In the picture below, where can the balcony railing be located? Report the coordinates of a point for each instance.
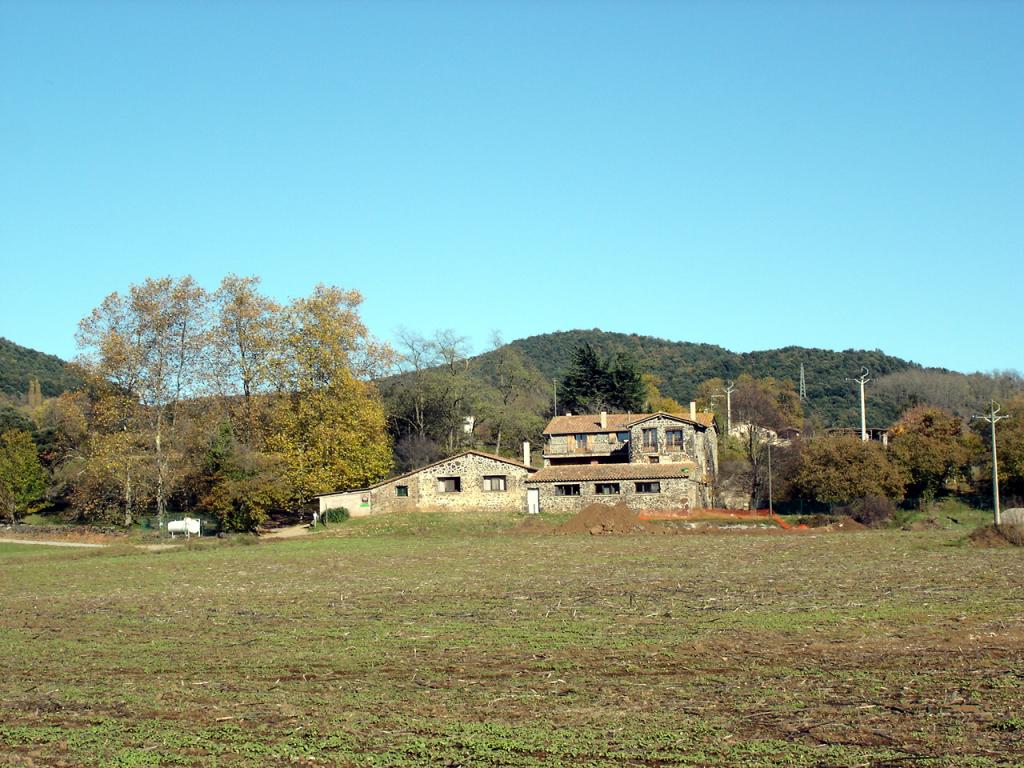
(588, 447)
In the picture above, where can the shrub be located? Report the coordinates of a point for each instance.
(872, 510)
(837, 469)
(336, 515)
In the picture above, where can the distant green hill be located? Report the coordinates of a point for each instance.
(18, 364)
(683, 365)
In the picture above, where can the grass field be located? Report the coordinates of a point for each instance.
(430, 640)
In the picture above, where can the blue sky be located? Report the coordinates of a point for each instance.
(754, 175)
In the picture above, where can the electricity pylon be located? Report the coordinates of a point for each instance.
(728, 389)
(862, 380)
(992, 417)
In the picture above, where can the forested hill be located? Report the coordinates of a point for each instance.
(683, 365)
(18, 364)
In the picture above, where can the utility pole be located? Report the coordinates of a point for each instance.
(729, 389)
(554, 383)
(803, 385)
(992, 417)
(771, 509)
(862, 380)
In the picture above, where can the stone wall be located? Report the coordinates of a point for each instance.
(676, 493)
(707, 458)
(471, 470)
(699, 446)
(386, 499)
(421, 489)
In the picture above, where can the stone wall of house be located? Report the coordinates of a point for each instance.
(421, 489)
(423, 493)
(386, 498)
(707, 458)
(676, 493)
(471, 469)
(699, 446)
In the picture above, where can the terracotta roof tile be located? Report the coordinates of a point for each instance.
(572, 473)
(410, 473)
(703, 419)
(616, 422)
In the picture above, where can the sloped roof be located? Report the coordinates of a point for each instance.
(616, 422)
(574, 473)
(493, 456)
(703, 419)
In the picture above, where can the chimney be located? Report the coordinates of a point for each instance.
(526, 452)
(693, 411)
(568, 413)
(604, 419)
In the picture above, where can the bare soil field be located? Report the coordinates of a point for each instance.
(432, 640)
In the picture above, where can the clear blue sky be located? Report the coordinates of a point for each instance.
(834, 174)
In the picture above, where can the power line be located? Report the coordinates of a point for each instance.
(993, 417)
(862, 380)
(728, 389)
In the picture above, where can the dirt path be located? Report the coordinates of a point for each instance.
(89, 545)
(290, 532)
(51, 543)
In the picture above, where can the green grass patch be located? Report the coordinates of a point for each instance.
(441, 639)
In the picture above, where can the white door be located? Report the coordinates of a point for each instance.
(533, 500)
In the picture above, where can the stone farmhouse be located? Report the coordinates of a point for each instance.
(650, 461)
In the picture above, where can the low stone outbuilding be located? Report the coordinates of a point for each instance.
(469, 480)
(569, 488)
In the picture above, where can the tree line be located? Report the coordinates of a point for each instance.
(229, 402)
(224, 401)
(930, 451)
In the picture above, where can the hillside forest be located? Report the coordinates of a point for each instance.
(229, 403)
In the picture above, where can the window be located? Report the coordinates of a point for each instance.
(567, 490)
(674, 438)
(654, 487)
(449, 484)
(654, 459)
(622, 437)
(495, 483)
(402, 490)
(606, 489)
(651, 438)
(581, 442)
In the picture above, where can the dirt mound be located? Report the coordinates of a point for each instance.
(599, 519)
(1005, 536)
